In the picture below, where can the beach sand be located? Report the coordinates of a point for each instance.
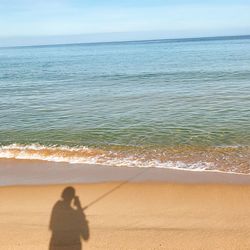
(141, 214)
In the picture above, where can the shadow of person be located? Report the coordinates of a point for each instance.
(68, 224)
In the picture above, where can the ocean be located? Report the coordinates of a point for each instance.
(165, 103)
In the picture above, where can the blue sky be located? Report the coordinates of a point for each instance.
(54, 21)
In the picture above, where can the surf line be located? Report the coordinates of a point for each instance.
(115, 188)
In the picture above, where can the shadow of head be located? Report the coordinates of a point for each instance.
(68, 194)
(67, 223)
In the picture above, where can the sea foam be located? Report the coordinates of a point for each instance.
(89, 156)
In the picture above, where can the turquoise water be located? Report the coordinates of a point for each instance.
(127, 97)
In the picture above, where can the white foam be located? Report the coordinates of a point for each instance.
(76, 155)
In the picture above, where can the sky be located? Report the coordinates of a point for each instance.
(27, 22)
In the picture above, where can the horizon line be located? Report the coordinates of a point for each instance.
(185, 39)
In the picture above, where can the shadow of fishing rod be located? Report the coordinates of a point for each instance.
(115, 188)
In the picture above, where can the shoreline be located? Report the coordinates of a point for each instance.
(34, 172)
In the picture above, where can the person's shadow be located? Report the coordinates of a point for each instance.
(68, 224)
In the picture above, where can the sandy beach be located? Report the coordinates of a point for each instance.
(135, 216)
(138, 214)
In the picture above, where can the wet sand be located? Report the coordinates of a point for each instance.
(175, 210)
(34, 172)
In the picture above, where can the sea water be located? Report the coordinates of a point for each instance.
(164, 103)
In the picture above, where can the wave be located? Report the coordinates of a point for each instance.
(227, 159)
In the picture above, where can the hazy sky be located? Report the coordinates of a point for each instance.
(59, 21)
